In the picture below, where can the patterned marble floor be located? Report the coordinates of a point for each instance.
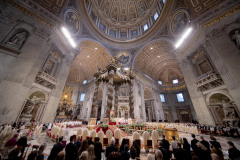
(223, 141)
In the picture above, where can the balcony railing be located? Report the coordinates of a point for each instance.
(46, 80)
(209, 81)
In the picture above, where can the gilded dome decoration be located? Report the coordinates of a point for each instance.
(124, 19)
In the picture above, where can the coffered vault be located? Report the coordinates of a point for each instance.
(92, 55)
(159, 62)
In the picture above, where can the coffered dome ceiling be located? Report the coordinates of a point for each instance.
(156, 61)
(92, 55)
(124, 19)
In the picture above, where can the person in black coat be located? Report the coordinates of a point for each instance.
(166, 155)
(71, 150)
(22, 142)
(40, 155)
(215, 142)
(98, 149)
(180, 154)
(233, 152)
(111, 148)
(186, 146)
(205, 143)
(90, 141)
(58, 147)
(165, 143)
(123, 144)
(193, 143)
(135, 145)
(125, 154)
(78, 143)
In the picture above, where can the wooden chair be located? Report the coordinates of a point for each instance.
(128, 142)
(117, 142)
(149, 144)
(105, 141)
(138, 141)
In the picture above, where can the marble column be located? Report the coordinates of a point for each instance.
(158, 107)
(131, 107)
(174, 113)
(116, 101)
(137, 102)
(74, 96)
(109, 94)
(225, 57)
(149, 113)
(94, 101)
(143, 102)
(202, 112)
(104, 100)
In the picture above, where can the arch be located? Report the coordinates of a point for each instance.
(92, 55)
(223, 92)
(146, 44)
(156, 56)
(19, 27)
(80, 40)
(39, 92)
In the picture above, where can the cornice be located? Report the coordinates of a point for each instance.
(30, 14)
(221, 17)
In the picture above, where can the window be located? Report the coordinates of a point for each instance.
(155, 16)
(112, 33)
(162, 97)
(102, 27)
(134, 33)
(123, 35)
(180, 97)
(145, 27)
(82, 97)
(160, 82)
(175, 81)
(84, 82)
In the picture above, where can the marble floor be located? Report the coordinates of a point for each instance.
(223, 141)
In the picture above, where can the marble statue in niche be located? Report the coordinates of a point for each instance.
(51, 63)
(28, 108)
(72, 22)
(236, 38)
(179, 23)
(48, 67)
(18, 39)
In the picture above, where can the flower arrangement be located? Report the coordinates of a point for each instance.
(160, 131)
(104, 126)
(112, 120)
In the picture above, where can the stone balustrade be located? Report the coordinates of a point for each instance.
(46, 80)
(209, 81)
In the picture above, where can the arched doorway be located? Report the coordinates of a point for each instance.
(223, 110)
(33, 107)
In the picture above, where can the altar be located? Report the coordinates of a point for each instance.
(169, 132)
